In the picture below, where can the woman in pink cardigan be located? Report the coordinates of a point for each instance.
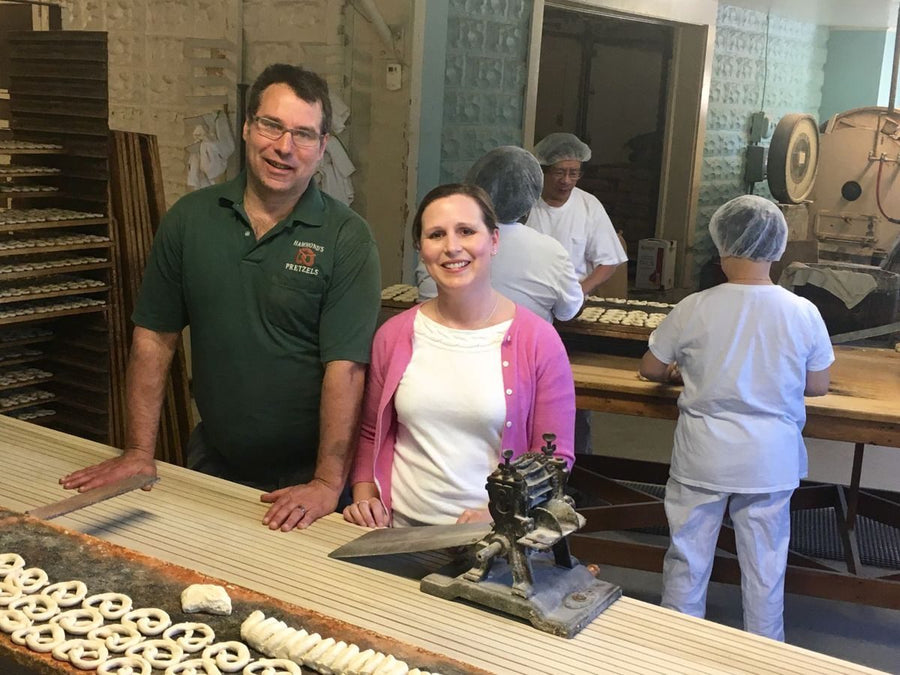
(455, 380)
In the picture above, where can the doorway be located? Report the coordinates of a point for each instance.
(605, 79)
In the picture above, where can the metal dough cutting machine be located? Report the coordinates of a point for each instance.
(523, 566)
(520, 564)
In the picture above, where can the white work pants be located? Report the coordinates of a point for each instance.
(762, 528)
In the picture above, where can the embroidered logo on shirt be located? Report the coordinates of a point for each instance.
(305, 258)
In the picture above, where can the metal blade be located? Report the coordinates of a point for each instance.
(99, 494)
(411, 539)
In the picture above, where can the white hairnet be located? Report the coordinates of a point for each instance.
(559, 147)
(749, 227)
(513, 179)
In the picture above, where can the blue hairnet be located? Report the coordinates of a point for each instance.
(513, 179)
(559, 147)
(749, 227)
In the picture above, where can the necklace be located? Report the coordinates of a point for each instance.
(481, 324)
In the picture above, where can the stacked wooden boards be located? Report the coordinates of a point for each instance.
(138, 204)
(56, 277)
(213, 526)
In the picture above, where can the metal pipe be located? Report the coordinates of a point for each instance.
(896, 64)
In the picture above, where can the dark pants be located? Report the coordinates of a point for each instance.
(206, 459)
(583, 445)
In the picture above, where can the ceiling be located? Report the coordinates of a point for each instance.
(840, 13)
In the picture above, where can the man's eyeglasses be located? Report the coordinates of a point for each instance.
(273, 130)
(566, 173)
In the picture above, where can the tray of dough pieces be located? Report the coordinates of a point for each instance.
(399, 295)
(151, 584)
(31, 216)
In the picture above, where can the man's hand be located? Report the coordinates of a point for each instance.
(129, 463)
(299, 506)
(475, 516)
(367, 513)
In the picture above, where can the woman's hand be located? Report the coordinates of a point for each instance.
(474, 516)
(367, 512)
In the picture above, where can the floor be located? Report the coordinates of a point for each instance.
(858, 633)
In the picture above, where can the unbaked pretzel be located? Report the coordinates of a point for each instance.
(13, 619)
(111, 605)
(9, 591)
(339, 651)
(229, 656)
(300, 644)
(312, 657)
(149, 621)
(158, 653)
(83, 654)
(275, 644)
(116, 636)
(194, 667)
(67, 593)
(125, 665)
(272, 667)
(36, 607)
(41, 638)
(191, 637)
(10, 562)
(30, 580)
(361, 659)
(79, 621)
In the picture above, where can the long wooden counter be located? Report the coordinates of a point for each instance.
(862, 406)
(213, 526)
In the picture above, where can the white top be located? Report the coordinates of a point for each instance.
(744, 352)
(583, 228)
(448, 436)
(531, 269)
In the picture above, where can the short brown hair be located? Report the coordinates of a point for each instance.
(472, 191)
(305, 84)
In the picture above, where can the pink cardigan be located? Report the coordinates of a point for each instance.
(536, 376)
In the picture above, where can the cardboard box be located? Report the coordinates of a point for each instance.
(655, 264)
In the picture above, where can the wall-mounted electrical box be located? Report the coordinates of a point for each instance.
(394, 77)
(755, 167)
(759, 126)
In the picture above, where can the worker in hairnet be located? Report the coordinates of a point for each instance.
(530, 268)
(578, 221)
(748, 351)
(573, 217)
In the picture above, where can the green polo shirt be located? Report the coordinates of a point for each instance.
(265, 316)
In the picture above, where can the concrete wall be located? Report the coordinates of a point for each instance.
(887, 65)
(155, 83)
(854, 70)
(159, 82)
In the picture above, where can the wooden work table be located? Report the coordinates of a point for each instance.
(214, 527)
(862, 406)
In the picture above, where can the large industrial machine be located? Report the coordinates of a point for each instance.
(855, 201)
(837, 192)
(840, 197)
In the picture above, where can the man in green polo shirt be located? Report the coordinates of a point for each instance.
(280, 285)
